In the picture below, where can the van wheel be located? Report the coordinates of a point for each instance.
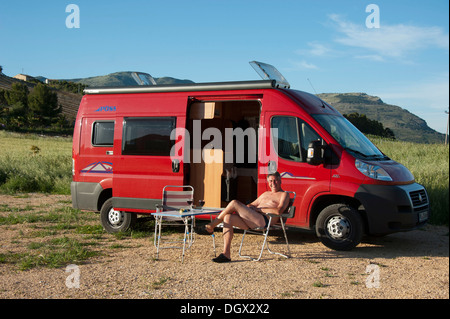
(114, 221)
(339, 227)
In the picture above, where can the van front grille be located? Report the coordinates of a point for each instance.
(419, 199)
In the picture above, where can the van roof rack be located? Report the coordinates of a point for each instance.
(211, 86)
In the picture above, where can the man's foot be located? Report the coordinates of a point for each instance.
(221, 259)
(203, 230)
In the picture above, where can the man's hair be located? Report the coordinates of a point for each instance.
(276, 175)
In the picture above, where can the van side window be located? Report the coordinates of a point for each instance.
(148, 136)
(294, 135)
(103, 133)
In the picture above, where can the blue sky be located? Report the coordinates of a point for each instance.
(326, 44)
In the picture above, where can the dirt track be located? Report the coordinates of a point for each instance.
(410, 265)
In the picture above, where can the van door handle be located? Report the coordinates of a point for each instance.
(109, 152)
(175, 166)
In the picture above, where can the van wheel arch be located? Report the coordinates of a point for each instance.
(103, 197)
(327, 200)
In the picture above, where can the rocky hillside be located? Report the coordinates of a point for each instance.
(405, 125)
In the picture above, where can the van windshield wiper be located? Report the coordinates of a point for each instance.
(372, 156)
(357, 152)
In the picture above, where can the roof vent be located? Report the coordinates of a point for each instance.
(269, 72)
(143, 78)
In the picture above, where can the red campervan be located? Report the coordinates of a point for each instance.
(223, 138)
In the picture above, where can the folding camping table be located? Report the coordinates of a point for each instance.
(188, 218)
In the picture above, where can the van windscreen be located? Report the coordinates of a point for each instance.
(346, 134)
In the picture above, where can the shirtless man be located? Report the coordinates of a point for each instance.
(248, 216)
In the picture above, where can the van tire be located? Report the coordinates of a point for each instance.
(339, 227)
(115, 221)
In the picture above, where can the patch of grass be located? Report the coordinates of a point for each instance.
(61, 215)
(24, 170)
(318, 284)
(53, 250)
(13, 219)
(158, 284)
(117, 246)
(287, 294)
(143, 229)
(90, 229)
(55, 253)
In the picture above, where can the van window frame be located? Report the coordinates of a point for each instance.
(300, 137)
(130, 119)
(93, 130)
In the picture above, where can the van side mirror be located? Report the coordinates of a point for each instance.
(315, 155)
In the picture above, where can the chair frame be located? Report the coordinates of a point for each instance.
(188, 233)
(289, 213)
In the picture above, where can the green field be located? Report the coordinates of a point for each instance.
(29, 163)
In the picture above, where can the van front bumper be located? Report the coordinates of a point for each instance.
(391, 209)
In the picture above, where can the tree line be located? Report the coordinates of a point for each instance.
(22, 109)
(67, 86)
(368, 126)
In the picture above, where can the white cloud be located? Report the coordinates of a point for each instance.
(315, 49)
(306, 65)
(389, 40)
(301, 65)
(372, 57)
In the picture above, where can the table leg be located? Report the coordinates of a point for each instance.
(192, 231)
(186, 236)
(158, 223)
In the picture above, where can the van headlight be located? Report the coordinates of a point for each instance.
(373, 171)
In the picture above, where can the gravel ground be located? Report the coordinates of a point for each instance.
(404, 265)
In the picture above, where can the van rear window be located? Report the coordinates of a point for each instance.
(103, 133)
(148, 136)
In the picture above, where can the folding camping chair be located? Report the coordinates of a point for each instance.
(175, 198)
(289, 213)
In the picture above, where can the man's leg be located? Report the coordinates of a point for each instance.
(229, 221)
(251, 217)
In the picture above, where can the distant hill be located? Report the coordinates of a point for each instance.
(122, 79)
(405, 125)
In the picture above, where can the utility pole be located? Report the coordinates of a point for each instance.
(446, 132)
